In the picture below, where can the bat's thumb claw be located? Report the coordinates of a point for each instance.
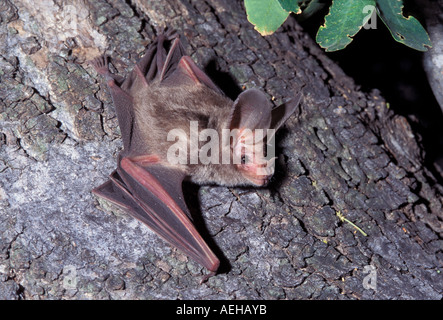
(206, 277)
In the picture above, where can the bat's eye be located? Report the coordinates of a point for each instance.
(244, 159)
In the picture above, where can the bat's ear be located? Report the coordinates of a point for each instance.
(251, 110)
(284, 111)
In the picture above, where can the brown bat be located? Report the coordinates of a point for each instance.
(167, 98)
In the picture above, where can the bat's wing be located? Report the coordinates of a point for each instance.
(153, 194)
(187, 73)
(165, 60)
(123, 102)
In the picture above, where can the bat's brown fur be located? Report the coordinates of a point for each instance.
(159, 110)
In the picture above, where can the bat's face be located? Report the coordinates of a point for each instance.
(249, 156)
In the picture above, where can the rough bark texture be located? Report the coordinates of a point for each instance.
(347, 154)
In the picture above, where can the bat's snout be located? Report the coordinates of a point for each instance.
(259, 174)
(260, 180)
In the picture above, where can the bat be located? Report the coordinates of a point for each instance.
(167, 109)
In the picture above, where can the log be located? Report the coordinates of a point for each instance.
(352, 212)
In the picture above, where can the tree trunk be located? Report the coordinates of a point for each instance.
(346, 159)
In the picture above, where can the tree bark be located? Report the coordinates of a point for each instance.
(346, 158)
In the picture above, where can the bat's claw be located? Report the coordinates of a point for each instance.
(170, 34)
(100, 65)
(167, 33)
(206, 277)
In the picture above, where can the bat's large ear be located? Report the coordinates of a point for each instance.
(251, 110)
(284, 111)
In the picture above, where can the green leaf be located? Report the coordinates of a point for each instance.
(406, 30)
(290, 5)
(266, 15)
(344, 20)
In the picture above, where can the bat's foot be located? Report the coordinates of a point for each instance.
(100, 65)
(168, 33)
